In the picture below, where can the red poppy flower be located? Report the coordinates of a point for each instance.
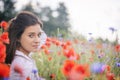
(47, 44)
(117, 48)
(4, 70)
(4, 37)
(52, 76)
(49, 58)
(68, 43)
(4, 25)
(64, 46)
(92, 52)
(48, 39)
(76, 41)
(108, 68)
(110, 76)
(70, 53)
(67, 67)
(58, 43)
(2, 52)
(46, 51)
(28, 78)
(43, 47)
(77, 56)
(79, 72)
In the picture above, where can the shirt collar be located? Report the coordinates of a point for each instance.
(19, 53)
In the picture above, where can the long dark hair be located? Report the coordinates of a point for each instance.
(16, 28)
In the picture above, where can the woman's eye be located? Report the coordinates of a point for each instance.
(31, 36)
(39, 35)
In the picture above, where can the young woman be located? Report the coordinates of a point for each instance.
(25, 34)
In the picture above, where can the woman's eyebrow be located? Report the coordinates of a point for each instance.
(31, 33)
(35, 33)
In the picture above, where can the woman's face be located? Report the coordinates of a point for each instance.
(30, 39)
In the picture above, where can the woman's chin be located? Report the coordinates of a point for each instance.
(35, 50)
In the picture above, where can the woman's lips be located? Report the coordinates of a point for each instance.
(35, 46)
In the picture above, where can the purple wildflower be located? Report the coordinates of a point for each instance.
(5, 79)
(97, 67)
(34, 71)
(118, 64)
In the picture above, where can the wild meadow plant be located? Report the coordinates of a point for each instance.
(78, 60)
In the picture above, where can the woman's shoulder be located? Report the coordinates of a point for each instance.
(18, 61)
(21, 60)
(21, 63)
(21, 56)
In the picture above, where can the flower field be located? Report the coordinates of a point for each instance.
(70, 59)
(78, 60)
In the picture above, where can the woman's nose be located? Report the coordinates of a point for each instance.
(37, 39)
